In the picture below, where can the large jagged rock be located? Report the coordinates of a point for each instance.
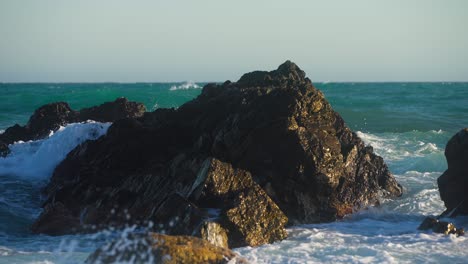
(158, 248)
(246, 156)
(50, 117)
(453, 183)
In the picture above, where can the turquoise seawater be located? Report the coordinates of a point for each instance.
(406, 123)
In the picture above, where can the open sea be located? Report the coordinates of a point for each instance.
(408, 124)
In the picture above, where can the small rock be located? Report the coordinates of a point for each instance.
(4, 150)
(440, 227)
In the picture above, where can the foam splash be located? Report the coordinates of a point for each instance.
(361, 241)
(185, 86)
(36, 160)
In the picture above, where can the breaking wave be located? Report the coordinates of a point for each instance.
(185, 86)
(37, 159)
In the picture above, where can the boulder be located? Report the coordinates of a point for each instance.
(249, 156)
(158, 248)
(453, 183)
(51, 116)
(247, 212)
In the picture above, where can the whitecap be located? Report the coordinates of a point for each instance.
(185, 86)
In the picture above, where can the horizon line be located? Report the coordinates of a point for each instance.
(206, 82)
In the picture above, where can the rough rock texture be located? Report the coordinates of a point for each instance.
(454, 182)
(244, 155)
(442, 227)
(50, 117)
(251, 217)
(157, 248)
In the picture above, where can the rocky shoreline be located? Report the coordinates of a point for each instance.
(234, 166)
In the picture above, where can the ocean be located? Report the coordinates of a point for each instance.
(408, 124)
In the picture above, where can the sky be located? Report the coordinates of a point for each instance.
(216, 40)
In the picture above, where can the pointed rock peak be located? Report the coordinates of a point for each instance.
(290, 69)
(288, 72)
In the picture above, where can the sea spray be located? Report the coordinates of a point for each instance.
(36, 160)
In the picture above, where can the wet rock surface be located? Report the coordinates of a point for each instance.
(157, 248)
(442, 227)
(249, 156)
(453, 183)
(50, 117)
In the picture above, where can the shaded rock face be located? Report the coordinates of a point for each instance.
(248, 156)
(50, 117)
(157, 248)
(453, 183)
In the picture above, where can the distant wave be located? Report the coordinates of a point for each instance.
(185, 86)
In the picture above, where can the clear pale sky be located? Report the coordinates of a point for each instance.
(216, 40)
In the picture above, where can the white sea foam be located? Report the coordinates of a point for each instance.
(37, 159)
(361, 241)
(185, 86)
(2, 131)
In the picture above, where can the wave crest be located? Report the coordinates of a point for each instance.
(185, 86)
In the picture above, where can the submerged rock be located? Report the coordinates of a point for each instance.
(50, 117)
(4, 150)
(442, 227)
(260, 153)
(453, 183)
(158, 248)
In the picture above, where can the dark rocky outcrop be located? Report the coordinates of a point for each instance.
(453, 183)
(157, 248)
(50, 117)
(241, 160)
